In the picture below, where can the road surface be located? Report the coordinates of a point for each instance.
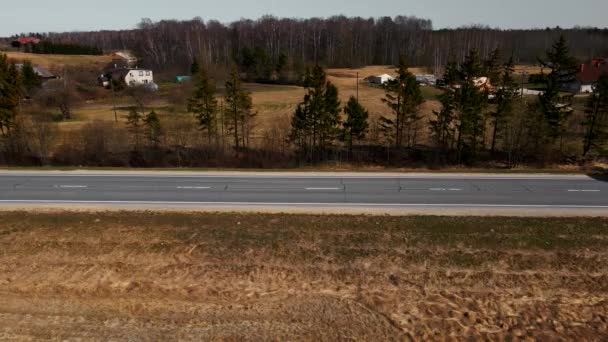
(292, 190)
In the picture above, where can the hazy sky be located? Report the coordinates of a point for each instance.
(69, 15)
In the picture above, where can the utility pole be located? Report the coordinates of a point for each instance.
(113, 98)
(523, 75)
(357, 86)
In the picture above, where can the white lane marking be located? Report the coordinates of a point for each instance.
(71, 186)
(320, 189)
(194, 187)
(468, 205)
(575, 190)
(444, 189)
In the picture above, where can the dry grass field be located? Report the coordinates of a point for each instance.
(59, 61)
(172, 276)
(274, 104)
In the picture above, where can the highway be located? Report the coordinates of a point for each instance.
(289, 190)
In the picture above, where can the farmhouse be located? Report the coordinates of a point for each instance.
(131, 77)
(21, 41)
(588, 75)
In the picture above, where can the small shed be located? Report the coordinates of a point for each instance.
(182, 79)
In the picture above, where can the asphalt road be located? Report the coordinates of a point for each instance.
(304, 190)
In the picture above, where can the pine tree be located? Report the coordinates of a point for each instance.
(596, 117)
(442, 126)
(356, 124)
(505, 95)
(471, 100)
(329, 120)
(10, 94)
(239, 110)
(555, 107)
(404, 97)
(316, 121)
(492, 66)
(29, 78)
(195, 67)
(134, 124)
(203, 104)
(153, 129)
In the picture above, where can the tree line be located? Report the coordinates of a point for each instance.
(471, 126)
(268, 43)
(47, 47)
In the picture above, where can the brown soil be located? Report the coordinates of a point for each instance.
(196, 276)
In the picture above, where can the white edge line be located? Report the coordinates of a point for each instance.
(71, 186)
(194, 187)
(470, 205)
(312, 189)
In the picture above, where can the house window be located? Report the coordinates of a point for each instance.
(148, 73)
(141, 73)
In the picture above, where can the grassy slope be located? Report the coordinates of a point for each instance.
(230, 276)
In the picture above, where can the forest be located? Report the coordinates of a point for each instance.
(337, 41)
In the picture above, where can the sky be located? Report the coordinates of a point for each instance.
(79, 15)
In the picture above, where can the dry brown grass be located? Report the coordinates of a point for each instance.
(272, 103)
(152, 276)
(58, 61)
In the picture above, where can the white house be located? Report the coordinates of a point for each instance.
(134, 77)
(380, 79)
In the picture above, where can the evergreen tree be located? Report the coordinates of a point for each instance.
(471, 100)
(329, 120)
(404, 97)
(316, 121)
(507, 88)
(556, 107)
(492, 66)
(356, 125)
(238, 110)
(596, 117)
(134, 124)
(195, 68)
(10, 94)
(29, 78)
(153, 128)
(203, 104)
(442, 126)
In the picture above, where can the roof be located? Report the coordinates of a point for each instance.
(591, 72)
(122, 73)
(27, 40)
(124, 55)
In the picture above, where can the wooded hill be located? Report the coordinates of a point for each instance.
(337, 41)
